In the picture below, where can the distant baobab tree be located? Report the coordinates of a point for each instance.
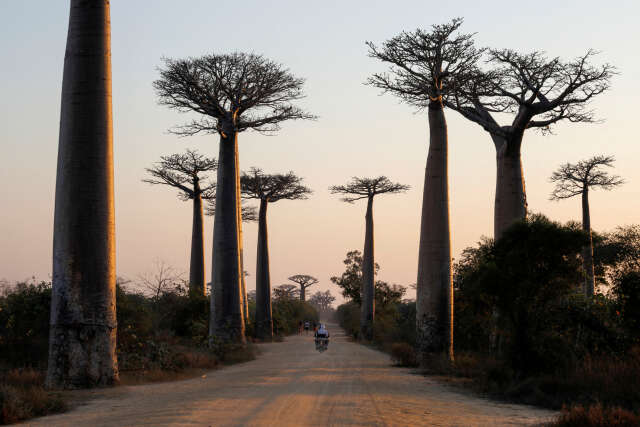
(247, 214)
(304, 281)
(267, 189)
(232, 93)
(187, 172)
(82, 338)
(322, 300)
(425, 68)
(286, 291)
(367, 188)
(539, 92)
(576, 180)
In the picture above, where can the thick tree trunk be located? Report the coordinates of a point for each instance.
(303, 291)
(227, 319)
(82, 339)
(243, 286)
(434, 302)
(196, 267)
(587, 251)
(264, 324)
(511, 198)
(367, 309)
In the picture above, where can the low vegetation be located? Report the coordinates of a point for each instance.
(524, 330)
(162, 337)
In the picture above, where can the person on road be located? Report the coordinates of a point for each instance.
(322, 332)
(306, 327)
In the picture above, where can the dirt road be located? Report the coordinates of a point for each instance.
(291, 384)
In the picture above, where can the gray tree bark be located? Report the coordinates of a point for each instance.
(587, 251)
(196, 267)
(263, 322)
(511, 199)
(227, 318)
(82, 338)
(367, 309)
(303, 293)
(434, 303)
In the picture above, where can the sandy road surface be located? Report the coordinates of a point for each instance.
(291, 384)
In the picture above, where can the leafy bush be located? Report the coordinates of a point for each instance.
(403, 354)
(596, 416)
(22, 396)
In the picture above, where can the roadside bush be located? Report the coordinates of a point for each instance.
(595, 416)
(288, 313)
(22, 396)
(403, 354)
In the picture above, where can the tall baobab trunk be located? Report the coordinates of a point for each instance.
(434, 303)
(243, 286)
(587, 251)
(82, 338)
(227, 319)
(511, 199)
(303, 293)
(367, 310)
(196, 268)
(263, 322)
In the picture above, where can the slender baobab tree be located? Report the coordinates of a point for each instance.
(247, 214)
(232, 93)
(539, 92)
(367, 188)
(425, 68)
(187, 173)
(286, 291)
(82, 339)
(576, 180)
(267, 189)
(304, 281)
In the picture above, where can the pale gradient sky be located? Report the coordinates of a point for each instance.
(358, 131)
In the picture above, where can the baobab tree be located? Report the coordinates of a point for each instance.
(187, 173)
(82, 337)
(232, 93)
(425, 68)
(539, 92)
(304, 281)
(367, 188)
(247, 214)
(267, 189)
(322, 300)
(286, 291)
(576, 180)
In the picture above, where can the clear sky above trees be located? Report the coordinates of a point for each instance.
(324, 43)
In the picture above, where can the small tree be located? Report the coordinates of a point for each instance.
(286, 291)
(368, 188)
(322, 301)
(539, 92)
(304, 281)
(232, 93)
(187, 173)
(576, 180)
(350, 282)
(268, 189)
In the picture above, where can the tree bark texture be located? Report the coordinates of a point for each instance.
(587, 251)
(196, 268)
(511, 199)
(82, 338)
(263, 322)
(434, 303)
(367, 309)
(227, 319)
(303, 293)
(243, 286)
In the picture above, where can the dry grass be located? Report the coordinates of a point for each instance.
(595, 416)
(22, 396)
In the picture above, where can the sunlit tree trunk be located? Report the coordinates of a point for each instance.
(434, 302)
(196, 267)
(367, 310)
(263, 322)
(82, 340)
(511, 199)
(243, 287)
(587, 251)
(227, 319)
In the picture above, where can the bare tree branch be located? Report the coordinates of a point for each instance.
(363, 188)
(271, 188)
(572, 179)
(235, 91)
